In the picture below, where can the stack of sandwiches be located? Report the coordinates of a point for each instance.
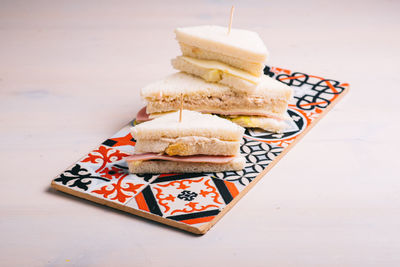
(221, 74)
(197, 143)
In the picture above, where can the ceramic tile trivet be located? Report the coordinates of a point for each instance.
(195, 202)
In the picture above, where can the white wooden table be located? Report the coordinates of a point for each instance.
(70, 75)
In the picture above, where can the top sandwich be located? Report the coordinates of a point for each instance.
(241, 49)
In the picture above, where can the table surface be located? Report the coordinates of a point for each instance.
(70, 75)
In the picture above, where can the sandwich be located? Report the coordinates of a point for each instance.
(264, 108)
(241, 49)
(199, 143)
(235, 59)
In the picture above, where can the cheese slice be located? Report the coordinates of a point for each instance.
(266, 123)
(215, 67)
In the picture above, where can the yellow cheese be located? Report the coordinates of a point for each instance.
(245, 121)
(268, 124)
(216, 68)
(136, 162)
(212, 75)
(177, 149)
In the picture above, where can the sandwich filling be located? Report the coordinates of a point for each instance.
(228, 104)
(215, 69)
(188, 145)
(255, 68)
(194, 158)
(265, 123)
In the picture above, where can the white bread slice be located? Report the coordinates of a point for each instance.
(270, 98)
(213, 71)
(186, 146)
(255, 68)
(193, 124)
(242, 44)
(164, 166)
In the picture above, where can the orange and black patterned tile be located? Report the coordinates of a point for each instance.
(103, 173)
(122, 140)
(189, 198)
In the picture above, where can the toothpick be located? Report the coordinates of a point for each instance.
(230, 20)
(180, 110)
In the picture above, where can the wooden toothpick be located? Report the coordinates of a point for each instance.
(181, 108)
(230, 20)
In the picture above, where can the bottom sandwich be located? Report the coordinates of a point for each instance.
(197, 143)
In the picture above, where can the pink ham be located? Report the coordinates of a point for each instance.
(142, 116)
(195, 158)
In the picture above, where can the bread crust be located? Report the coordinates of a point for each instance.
(163, 166)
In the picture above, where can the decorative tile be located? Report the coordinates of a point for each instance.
(121, 187)
(298, 124)
(192, 201)
(122, 140)
(258, 155)
(188, 198)
(103, 173)
(103, 156)
(78, 178)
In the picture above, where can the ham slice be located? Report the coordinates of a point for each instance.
(195, 158)
(142, 116)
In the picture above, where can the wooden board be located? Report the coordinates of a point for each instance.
(195, 202)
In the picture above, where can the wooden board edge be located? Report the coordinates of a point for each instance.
(127, 209)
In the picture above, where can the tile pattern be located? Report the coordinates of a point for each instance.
(188, 198)
(103, 173)
(258, 155)
(195, 199)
